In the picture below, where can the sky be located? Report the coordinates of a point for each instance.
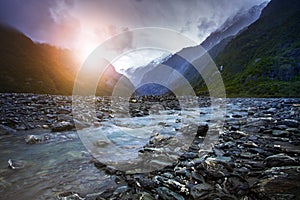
(82, 25)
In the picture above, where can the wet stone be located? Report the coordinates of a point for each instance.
(290, 123)
(278, 183)
(201, 191)
(143, 196)
(246, 162)
(279, 160)
(279, 133)
(16, 164)
(62, 126)
(167, 194)
(33, 139)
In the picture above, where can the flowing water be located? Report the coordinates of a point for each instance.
(62, 163)
(49, 168)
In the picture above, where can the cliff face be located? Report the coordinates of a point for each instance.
(265, 58)
(28, 67)
(233, 26)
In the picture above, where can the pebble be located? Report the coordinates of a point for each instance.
(16, 164)
(255, 157)
(33, 139)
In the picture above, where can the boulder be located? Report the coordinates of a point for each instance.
(62, 126)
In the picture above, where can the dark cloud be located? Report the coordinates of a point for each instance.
(60, 21)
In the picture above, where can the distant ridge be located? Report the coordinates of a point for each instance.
(28, 67)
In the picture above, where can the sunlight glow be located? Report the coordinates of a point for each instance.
(85, 44)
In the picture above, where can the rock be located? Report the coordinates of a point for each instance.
(282, 127)
(143, 196)
(234, 128)
(155, 139)
(69, 196)
(33, 139)
(121, 189)
(237, 186)
(188, 155)
(237, 134)
(271, 110)
(175, 185)
(220, 159)
(237, 116)
(242, 170)
(45, 126)
(279, 133)
(290, 123)
(64, 111)
(199, 178)
(15, 164)
(110, 170)
(201, 191)
(253, 126)
(279, 160)
(167, 194)
(98, 164)
(62, 126)
(278, 183)
(146, 183)
(202, 130)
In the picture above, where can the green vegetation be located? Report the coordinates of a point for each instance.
(27, 67)
(35, 68)
(264, 60)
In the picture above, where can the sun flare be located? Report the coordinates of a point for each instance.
(86, 43)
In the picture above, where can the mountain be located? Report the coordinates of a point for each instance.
(233, 26)
(135, 74)
(183, 70)
(264, 60)
(28, 67)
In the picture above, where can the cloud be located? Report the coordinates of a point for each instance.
(60, 21)
(205, 26)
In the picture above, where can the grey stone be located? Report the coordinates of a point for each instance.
(167, 194)
(278, 183)
(279, 133)
(201, 191)
(33, 139)
(62, 126)
(280, 160)
(143, 196)
(16, 164)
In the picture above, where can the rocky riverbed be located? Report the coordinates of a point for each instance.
(256, 155)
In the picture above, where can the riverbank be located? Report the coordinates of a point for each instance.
(256, 155)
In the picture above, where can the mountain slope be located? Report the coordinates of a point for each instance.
(29, 67)
(233, 26)
(215, 43)
(264, 60)
(40, 68)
